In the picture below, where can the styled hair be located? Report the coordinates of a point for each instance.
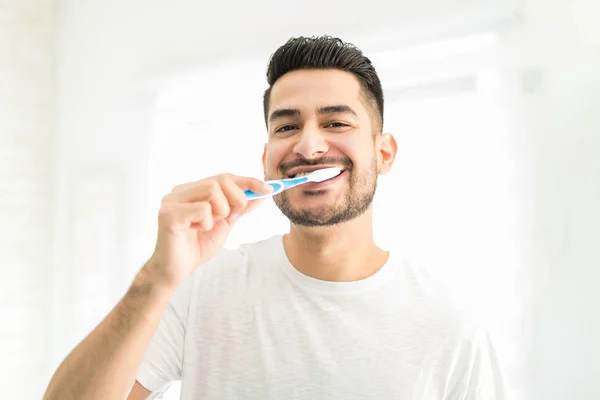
(326, 52)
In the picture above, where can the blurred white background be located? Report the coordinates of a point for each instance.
(105, 105)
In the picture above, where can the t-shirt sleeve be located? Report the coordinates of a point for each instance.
(476, 373)
(163, 360)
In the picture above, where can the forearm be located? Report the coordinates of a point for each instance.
(105, 363)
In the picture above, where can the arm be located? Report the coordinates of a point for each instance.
(104, 365)
(476, 372)
(194, 222)
(139, 392)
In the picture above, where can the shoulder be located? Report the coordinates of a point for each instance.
(421, 284)
(462, 325)
(433, 296)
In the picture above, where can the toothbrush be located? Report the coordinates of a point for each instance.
(280, 185)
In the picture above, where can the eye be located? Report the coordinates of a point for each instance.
(336, 125)
(285, 128)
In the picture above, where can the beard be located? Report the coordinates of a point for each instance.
(357, 199)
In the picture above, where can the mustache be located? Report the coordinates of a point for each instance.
(303, 162)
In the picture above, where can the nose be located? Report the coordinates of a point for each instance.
(311, 143)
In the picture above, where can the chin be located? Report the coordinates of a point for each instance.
(316, 199)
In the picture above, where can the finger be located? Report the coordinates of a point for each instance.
(186, 215)
(256, 185)
(184, 186)
(235, 194)
(204, 190)
(188, 192)
(237, 213)
(219, 202)
(207, 222)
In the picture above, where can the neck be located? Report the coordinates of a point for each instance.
(344, 252)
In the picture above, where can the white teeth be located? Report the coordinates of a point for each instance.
(301, 174)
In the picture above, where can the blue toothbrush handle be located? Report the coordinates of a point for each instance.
(278, 187)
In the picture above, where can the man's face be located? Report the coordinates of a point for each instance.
(317, 119)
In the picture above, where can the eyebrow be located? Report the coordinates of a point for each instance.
(341, 109)
(294, 112)
(285, 112)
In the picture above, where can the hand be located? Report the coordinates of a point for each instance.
(194, 222)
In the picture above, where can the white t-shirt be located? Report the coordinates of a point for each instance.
(248, 325)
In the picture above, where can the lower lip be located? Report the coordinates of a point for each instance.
(322, 185)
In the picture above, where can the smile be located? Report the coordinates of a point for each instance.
(298, 172)
(310, 186)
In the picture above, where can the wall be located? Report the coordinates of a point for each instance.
(109, 51)
(27, 57)
(106, 48)
(559, 51)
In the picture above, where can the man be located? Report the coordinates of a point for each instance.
(319, 313)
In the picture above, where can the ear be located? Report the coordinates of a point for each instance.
(264, 161)
(386, 152)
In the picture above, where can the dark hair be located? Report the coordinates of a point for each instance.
(325, 52)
